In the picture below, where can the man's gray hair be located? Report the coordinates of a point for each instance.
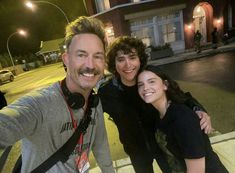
(83, 25)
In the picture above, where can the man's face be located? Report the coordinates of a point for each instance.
(85, 62)
(127, 66)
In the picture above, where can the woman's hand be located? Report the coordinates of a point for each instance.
(205, 122)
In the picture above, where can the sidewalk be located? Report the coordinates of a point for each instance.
(193, 55)
(223, 144)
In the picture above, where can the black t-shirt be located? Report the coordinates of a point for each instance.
(180, 136)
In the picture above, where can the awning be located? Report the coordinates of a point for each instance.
(50, 46)
(155, 12)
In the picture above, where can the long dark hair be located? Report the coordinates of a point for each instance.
(173, 92)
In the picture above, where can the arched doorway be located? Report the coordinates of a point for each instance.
(199, 16)
(202, 15)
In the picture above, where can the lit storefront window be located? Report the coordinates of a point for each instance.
(169, 33)
(143, 29)
(165, 29)
(169, 28)
(161, 29)
(109, 34)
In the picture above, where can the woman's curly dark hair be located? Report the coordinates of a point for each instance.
(173, 92)
(125, 44)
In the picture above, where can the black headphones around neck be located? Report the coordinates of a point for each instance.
(76, 100)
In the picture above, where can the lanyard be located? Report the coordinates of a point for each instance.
(74, 122)
(80, 141)
(72, 117)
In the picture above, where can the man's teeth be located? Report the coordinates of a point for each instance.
(88, 74)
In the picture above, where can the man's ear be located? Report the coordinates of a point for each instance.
(65, 58)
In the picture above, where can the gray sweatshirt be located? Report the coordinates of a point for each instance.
(43, 121)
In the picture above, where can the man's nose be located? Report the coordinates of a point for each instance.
(89, 62)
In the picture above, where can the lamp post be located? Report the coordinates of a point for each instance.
(31, 5)
(20, 32)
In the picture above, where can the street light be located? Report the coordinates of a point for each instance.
(32, 6)
(20, 32)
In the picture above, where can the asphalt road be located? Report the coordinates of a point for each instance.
(217, 70)
(33, 79)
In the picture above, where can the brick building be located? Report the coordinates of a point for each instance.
(158, 22)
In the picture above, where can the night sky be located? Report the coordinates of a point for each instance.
(46, 23)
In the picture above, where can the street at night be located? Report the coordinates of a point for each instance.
(59, 50)
(216, 70)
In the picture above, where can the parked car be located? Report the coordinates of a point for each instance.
(6, 75)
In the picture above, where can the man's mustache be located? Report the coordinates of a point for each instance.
(90, 71)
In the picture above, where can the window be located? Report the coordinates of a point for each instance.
(169, 28)
(158, 30)
(143, 29)
(109, 34)
(169, 32)
(102, 5)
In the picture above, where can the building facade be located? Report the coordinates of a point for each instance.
(157, 22)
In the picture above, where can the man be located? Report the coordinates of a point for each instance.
(45, 119)
(214, 35)
(135, 120)
(197, 41)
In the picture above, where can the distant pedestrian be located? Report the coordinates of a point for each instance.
(225, 38)
(214, 38)
(197, 41)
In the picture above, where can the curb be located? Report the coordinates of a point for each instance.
(192, 55)
(222, 137)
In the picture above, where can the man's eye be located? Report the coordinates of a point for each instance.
(81, 55)
(99, 57)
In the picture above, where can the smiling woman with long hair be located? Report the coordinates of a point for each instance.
(178, 133)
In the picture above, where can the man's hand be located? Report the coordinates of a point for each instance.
(205, 121)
